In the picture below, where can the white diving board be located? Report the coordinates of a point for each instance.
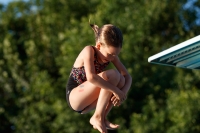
(184, 55)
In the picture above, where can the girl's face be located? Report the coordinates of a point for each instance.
(107, 53)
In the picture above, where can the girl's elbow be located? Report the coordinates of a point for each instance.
(129, 77)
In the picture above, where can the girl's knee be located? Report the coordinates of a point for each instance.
(113, 76)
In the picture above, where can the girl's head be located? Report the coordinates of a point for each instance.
(108, 41)
(108, 35)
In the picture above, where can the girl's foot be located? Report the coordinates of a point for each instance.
(111, 126)
(97, 124)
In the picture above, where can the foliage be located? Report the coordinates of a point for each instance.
(40, 40)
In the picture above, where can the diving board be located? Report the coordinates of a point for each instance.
(183, 55)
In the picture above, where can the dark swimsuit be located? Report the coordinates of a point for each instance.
(78, 76)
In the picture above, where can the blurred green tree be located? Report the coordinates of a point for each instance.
(40, 40)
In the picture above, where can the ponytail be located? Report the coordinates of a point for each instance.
(96, 31)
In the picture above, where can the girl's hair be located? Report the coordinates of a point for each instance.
(108, 35)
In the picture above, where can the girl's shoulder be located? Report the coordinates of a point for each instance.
(85, 54)
(88, 47)
(88, 50)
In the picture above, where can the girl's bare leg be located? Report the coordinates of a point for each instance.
(85, 95)
(110, 125)
(98, 119)
(92, 106)
(104, 104)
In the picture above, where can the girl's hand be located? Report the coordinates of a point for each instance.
(115, 101)
(120, 95)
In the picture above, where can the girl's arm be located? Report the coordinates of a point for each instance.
(128, 80)
(121, 68)
(88, 59)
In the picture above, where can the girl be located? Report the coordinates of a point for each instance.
(90, 87)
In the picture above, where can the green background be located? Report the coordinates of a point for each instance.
(40, 39)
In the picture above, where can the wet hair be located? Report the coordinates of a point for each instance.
(108, 35)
